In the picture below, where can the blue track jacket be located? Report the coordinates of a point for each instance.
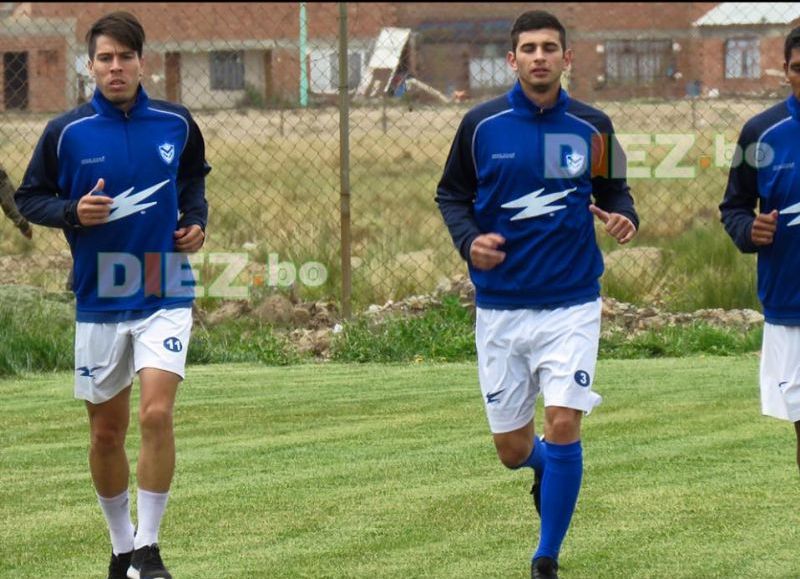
(766, 169)
(153, 162)
(529, 174)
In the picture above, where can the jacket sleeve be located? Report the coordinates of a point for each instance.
(609, 185)
(457, 189)
(192, 180)
(39, 198)
(737, 210)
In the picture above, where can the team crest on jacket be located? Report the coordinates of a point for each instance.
(575, 163)
(167, 152)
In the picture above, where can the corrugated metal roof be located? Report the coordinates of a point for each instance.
(743, 13)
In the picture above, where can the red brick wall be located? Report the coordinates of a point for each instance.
(46, 71)
(226, 20)
(588, 24)
(713, 59)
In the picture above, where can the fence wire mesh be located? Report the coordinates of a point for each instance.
(263, 80)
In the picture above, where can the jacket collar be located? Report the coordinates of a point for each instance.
(105, 107)
(519, 100)
(794, 107)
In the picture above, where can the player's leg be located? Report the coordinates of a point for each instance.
(779, 375)
(160, 359)
(513, 446)
(156, 464)
(104, 370)
(508, 388)
(797, 433)
(567, 364)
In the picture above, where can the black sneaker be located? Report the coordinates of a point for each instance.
(118, 567)
(536, 491)
(146, 564)
(544, 568)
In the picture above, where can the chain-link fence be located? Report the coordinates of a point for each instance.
(298, 211)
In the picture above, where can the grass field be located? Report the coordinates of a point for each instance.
(349, 471)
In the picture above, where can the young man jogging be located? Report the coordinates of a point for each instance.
(524, 177)
(124, 177)
(766, 172)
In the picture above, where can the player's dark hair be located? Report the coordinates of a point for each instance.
(792, 42)
(536, 20)
(122, 27)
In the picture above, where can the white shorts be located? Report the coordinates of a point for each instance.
(524, 352)
(108, 355)
(780, 372)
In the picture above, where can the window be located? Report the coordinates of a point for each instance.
(638, 61)
(227, 70)
(353, 70)
(742, 58)
(490, 70)
(324, 70)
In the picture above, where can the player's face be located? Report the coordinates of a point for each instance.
(539, 59)
(792, 70)
(117, 69)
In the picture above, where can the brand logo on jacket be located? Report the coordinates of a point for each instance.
(167, 152)
(127, 202)
(789, 211)
(535, 204)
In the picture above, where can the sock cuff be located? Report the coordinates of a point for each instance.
(111, 500)
(564, 452)
(151, 495)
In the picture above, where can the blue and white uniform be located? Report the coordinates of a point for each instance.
(766, 172)
(530, 174)
(152, 160)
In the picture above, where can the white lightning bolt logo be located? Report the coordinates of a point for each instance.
(534, 205)
(126, 204)
(792, 209)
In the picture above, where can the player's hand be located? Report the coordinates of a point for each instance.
(189, 239)
(94, 207)
(25, 229)
(617, 225)
(764, 226)
(483, 252)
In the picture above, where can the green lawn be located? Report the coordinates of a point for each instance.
(388, 471)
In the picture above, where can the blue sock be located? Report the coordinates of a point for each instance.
(538, 456)
(561, 483)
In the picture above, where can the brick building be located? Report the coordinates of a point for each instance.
(222, 55)
(205, 55)
(742, 46)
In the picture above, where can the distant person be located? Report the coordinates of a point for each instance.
(518, 194)
(124, 177)
(10, 208)
(766, 172)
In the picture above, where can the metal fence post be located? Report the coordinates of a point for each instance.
(344, 161)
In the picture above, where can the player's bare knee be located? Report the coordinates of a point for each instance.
(564, 427)
(107, 438)
(512, 455)
(155, 420)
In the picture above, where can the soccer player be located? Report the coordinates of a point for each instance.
(516, 195)
(124, 177)
(766, 170)
(10, 208)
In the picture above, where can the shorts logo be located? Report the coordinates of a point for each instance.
(87, 372)
(582, 378)
(173, 345)
(491, 397)
(167, 152)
